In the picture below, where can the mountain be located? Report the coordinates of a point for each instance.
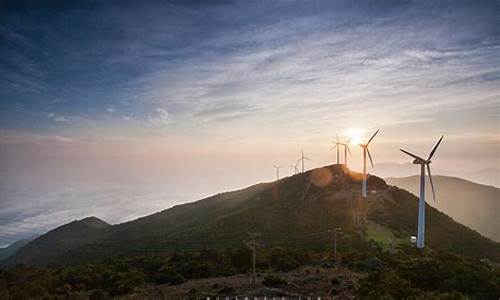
(12, 248)
(386, 169)
(69, 236)
(296, 212)
(489, 176)
(474, 205)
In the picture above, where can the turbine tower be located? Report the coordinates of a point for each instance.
(365, 151)
(277, 172)
(421, 201)
(302, 158)
(337, 145)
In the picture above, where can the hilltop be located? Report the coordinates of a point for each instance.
(296, 212)
(59, 240)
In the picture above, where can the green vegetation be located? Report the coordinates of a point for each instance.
(383, 236)
(405, 275)
(431, 276)
(121, 276)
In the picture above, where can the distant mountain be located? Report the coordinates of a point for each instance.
(57, 241)
(295, 212)
(489, 176)
(393, 169)
(474, 205)
(12, 248)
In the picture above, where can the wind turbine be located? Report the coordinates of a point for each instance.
(365, 151)
(277, 172)
(295, 167)
(302, 158)
(346, 149)
(421, 201)
(337, 145)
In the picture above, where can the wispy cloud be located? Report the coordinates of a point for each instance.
(57, 118)
(326, 61)
(160, 116)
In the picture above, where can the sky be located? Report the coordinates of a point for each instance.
(122, 108)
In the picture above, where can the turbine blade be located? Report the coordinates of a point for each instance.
(411, 154)
(349, 140)
(369, 156)
(435, 147)
(372, 137)
(333, 147)
(349, 150)
(430, 179)
(306, 158)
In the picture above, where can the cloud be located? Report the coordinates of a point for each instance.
(265, 68)
(159, 117)
(29, 211)
(57, 118)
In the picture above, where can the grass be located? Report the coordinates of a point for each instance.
(383, 235)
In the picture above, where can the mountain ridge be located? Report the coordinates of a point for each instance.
(296, 211)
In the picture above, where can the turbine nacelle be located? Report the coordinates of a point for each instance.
(425, 162)
(418, 161)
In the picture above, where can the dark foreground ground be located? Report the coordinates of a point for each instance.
(335, 282)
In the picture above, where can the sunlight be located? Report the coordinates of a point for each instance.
(356, 135)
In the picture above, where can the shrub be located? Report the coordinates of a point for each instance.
(273, 281)
(282, 260)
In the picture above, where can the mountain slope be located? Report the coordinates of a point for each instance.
(12, 248)
(474, 205)
(57, 241)
(295, 212)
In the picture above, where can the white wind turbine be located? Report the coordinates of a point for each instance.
(295, 167)
(421, 201)
(302, 159)
(346, 149)
(365, 151)
(277, 172)
(337, 145)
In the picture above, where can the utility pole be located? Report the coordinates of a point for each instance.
(251, 243)
(336, 231)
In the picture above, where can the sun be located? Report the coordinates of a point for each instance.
(356, 135)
